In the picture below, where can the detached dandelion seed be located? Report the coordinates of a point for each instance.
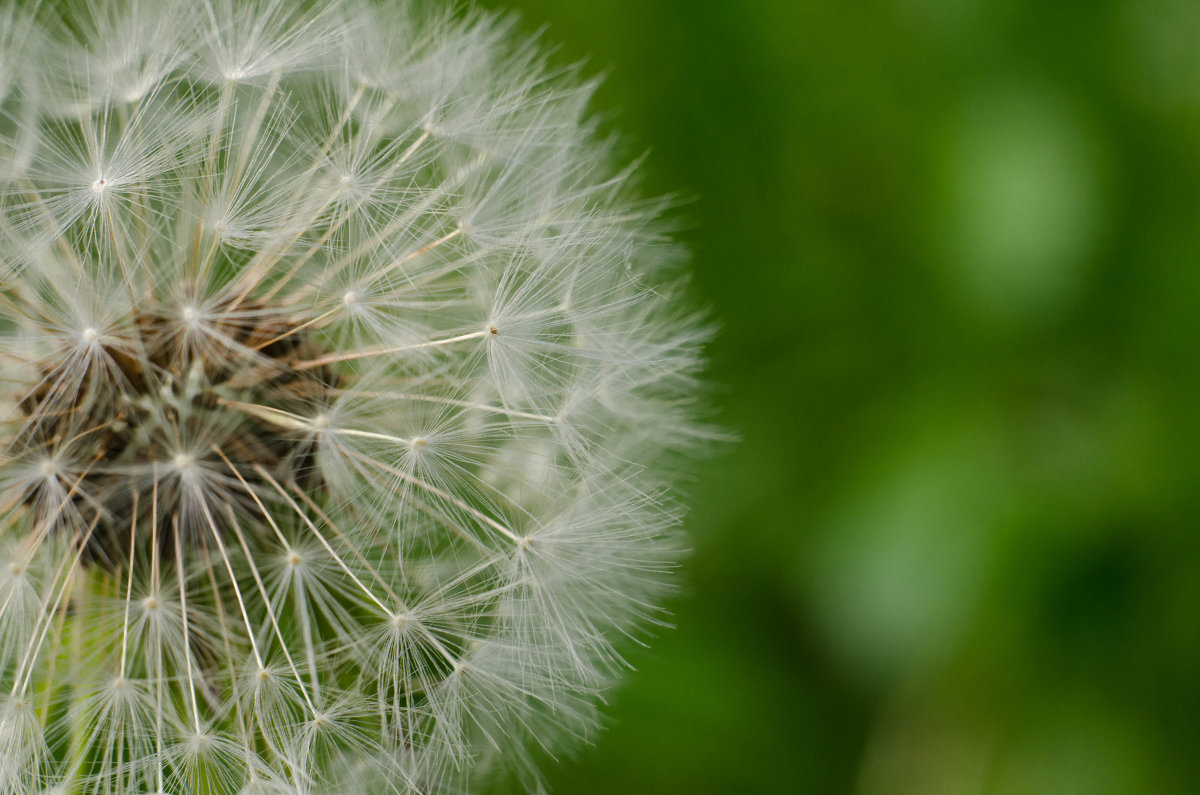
(341, 381)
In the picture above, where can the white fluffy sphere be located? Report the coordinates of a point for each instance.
(341, 375)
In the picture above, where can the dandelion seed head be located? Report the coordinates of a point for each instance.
(345, 382)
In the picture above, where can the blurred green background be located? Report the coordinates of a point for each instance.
(953, 248)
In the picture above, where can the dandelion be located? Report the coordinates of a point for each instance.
(340, 379)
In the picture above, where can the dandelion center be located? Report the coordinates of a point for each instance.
(162, 424)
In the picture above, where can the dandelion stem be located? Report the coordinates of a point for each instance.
(129, 584)
(155, 590)
(466, 404)
(298, 328)
(237, 592)
(284, 419)
(183, 609)
(385, 351)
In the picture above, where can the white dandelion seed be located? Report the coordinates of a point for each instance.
(340, 377)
